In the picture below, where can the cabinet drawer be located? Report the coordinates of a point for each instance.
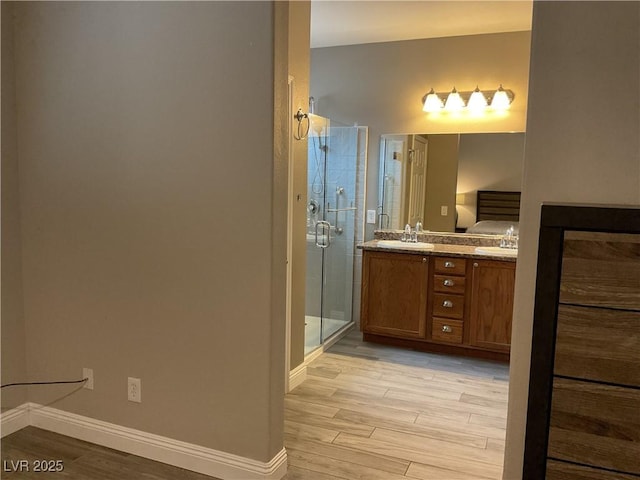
(557, 470)
(446, 330)
(448, 284)
(598, 344)
(601, 269)
(450, 265)
(595, 424)
(450, 306)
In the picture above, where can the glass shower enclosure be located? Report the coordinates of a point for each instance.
(331, 229)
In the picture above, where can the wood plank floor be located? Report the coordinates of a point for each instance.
(368, 411)
(81, 460)
(365, 411)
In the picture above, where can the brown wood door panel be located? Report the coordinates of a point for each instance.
(394, 294)
(595, 424)
(601, 269)
(557, 470)
(491, 309)
(598, 344)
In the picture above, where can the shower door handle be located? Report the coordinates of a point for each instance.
(324, 226)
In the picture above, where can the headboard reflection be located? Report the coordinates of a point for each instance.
(494, 205)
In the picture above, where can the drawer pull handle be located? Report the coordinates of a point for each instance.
(449, 265)
(424, 259)
(447, 304)
(447, 329)
(448, 283)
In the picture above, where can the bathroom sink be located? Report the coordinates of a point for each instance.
(504, 252)
(405, 245)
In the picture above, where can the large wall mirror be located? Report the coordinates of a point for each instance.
(434, 178)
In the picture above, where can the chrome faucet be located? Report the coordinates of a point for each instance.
(509, 239)
(409, 235)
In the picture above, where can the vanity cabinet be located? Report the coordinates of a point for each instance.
(448, 304)
(395, 294)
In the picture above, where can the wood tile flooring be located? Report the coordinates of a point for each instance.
(82, 460)
(365, 412)
(373, 412)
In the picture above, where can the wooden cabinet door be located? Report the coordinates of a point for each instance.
(394, 294)
(492, 287)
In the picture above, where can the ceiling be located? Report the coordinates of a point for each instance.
(338, 22)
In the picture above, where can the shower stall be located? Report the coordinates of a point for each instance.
(331, 228)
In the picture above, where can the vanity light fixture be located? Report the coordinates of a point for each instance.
(475, 101)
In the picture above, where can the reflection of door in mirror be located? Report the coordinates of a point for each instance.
(394, 151)
(418, 178)
(402, 180)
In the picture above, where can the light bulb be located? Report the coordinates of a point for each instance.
(501, 100)
(454, 102)
(432, 102)
(477, 101)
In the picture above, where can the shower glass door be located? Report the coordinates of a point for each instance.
(331, 228)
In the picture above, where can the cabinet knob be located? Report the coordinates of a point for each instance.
(447, 329)
(424, 259)
(448, 283)
(449, 265)
(447, 304)
(475, 265)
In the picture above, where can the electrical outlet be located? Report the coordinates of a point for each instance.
(134, 389)
(88, 374)
(444, 210)
(371, 216)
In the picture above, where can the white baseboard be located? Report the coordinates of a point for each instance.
(13, 420)
(155, 447)
(297, 376)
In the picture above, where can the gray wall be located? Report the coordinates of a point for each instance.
(145, 136)
(14, 366)
(487, 162)
(581, 146)
(298, 64)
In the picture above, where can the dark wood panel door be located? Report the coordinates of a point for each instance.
(598, 344)
(601, 269)
(492, 287)
(595, 424)
(557, 470)
(394, 294)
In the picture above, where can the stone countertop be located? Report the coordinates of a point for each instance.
(444, 238)
(468, 251)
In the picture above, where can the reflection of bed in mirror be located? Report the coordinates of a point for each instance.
(496, 212)
(441, 192)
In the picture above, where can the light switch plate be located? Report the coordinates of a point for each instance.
(444, 210)
(371, 216)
